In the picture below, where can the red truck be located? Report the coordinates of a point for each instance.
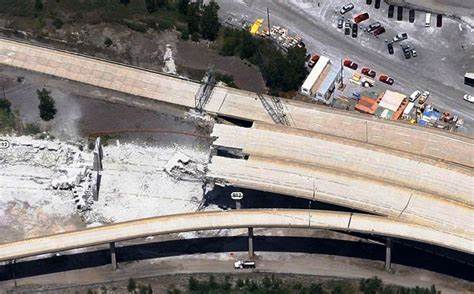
(361, 17)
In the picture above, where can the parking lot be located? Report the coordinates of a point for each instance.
(443, 54)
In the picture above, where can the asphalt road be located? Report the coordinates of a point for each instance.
(439, 67)
(222, 263)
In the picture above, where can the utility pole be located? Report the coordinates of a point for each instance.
(268, 20)
(342, 74)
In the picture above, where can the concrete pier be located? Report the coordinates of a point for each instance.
(388, 255)
(251, 254)
(113, 256)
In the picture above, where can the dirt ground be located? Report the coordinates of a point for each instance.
(201, 57)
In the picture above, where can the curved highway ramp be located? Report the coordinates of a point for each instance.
(258, 218)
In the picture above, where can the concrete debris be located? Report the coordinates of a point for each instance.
(170, 66)
(182, 168)
(201, 119)
(51, 189)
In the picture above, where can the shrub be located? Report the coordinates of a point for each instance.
(32, 129)
(195, 37)
(58, 23)
(108, 42)
(136, 26)
(5, 105)
(47, 105)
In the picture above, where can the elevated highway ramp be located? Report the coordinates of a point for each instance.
(449, 181)
(314, 167)
(259, 218)
(235, 103)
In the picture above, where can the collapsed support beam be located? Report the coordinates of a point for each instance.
(388, 255)
(113, 256)
(251, 254)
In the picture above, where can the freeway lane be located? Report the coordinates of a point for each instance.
(439, 67)
(266, 218)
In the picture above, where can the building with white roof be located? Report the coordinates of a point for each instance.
(321, 81)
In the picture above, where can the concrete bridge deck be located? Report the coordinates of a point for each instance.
(237, 103)
(343, 172)
(351, 157)
(263, 218)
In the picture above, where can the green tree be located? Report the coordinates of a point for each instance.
(125, 2)
(58, 23)
(47, 105)
(131, 286)
(193, 284)
(247, 46)
(210, 21)
(5, 105)
(371, 286)
(316, 289)
(39, 5)
(150, 6)
(193, 18)
(183, 6)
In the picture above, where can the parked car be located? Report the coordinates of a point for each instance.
(411, 16)
(390, 48)
(346, 8)
(423, 97)
(469, 98)
(350, 64)
(406, 51)
(361, 17)
(379, 31)
(340, 22)
(347, 30)
(386, 79)
(313, 60)
(372, 27)
(355, 29)
(400, 37)
(391, 10)
(414, 53)
(368, 72)
(415, 96)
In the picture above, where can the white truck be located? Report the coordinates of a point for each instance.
(241, 264)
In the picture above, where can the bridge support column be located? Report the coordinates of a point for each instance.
(11, 266)
(113, 256)
(388, 255)
(251, 254)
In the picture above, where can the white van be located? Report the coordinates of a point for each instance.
(428, 19)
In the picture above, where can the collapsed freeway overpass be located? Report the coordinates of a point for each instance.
(417, 181)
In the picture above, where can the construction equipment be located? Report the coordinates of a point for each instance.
(204, 93)
(275, 109)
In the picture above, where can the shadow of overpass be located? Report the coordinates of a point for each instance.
(407, 255)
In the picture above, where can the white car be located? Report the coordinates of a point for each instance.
(469, 98)
(346, 8)
(415, 95)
